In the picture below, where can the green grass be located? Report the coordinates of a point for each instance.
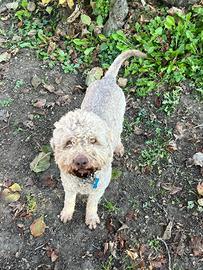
(6, 102)
(173, 45)
(110, 207)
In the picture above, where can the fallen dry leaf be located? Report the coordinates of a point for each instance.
(110, 226)
(179, 129)
(94, 74)
(200, 201)
(172, 146)
(172, 189)
(197, 245)
(158, 263)
(123, 227)
(132, 254)
(122, 82)
(40, 103)
(15, 187)
(38, 226)
(198, 159)
(36, 81)
(63, 100)
(10, 197)
(131, 215)
(41, 162)
(12, 5)
(52, 253)
(11, 193)
(200, 188)
(174, 10)
(5, 57)
(138, 131)
(48, 181)
(168, 230)
(49, 87)
(158, 102)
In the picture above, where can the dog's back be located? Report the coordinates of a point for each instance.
(106, 99)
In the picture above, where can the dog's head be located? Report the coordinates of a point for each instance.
(82, 143)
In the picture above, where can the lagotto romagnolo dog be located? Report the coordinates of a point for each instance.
(85, 140)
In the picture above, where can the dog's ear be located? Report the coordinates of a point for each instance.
(52, 143)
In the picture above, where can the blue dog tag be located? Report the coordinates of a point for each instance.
(95, 183)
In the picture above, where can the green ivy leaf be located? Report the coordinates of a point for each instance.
(85, 19)
(169, 22)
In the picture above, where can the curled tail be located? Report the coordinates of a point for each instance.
(115, 66)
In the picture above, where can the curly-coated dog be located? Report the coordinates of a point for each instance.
(85, 140)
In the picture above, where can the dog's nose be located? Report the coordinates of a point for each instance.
(80, 161)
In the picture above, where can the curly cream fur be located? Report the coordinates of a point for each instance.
(100, 121)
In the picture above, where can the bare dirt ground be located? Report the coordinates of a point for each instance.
(137, 206)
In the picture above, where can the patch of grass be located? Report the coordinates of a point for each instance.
(116, 174)
(110, 207)
(31, 203)
(173, 44)
(154, 244)
(155, 150)
(6, 102)
(19, 84)
(108, 264)
(170, 101)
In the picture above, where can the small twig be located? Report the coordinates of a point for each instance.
(41, 246)
(168, 252)
(201, 125)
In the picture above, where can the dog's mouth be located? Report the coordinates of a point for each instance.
(84, 173)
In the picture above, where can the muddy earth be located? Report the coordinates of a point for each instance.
(150, 219)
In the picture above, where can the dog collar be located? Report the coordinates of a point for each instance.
(95, 183)
(92, 180)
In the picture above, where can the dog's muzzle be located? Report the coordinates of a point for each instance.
(81, 167)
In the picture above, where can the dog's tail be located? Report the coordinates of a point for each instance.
(115, 66)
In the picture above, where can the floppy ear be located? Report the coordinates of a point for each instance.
(52, 144)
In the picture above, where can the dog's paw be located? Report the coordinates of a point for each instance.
(91, 221)
(65, 215)
(119, 151)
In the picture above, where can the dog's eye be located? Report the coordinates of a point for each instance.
(68, 144)
(93, 140)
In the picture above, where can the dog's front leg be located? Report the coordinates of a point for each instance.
(92, 218)
(69, 206)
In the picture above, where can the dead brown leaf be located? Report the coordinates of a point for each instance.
(49, 87)
(198, 159)
(63, 100)
(197, 245)
(168, 230)
(158, 263)
(110, 226)
(158, 102)
(200, 188)
(38, 226)
(52, 253)
(132, 254)
(131, 215)
(40, 103)
(174, 10)
(180, 130)
(172, 146)
(171, 188)
(36, 81)
(48, 181)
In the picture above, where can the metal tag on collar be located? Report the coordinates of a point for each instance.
(95, 183)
